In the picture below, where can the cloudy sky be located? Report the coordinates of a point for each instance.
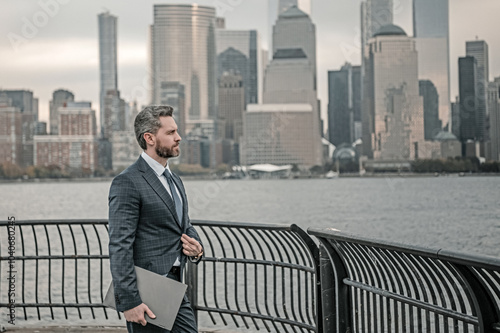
(50, 44)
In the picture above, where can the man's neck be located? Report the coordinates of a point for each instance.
(154, 156)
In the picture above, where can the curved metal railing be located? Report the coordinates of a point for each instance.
(387, 287)
(252, 275)
(257, 275)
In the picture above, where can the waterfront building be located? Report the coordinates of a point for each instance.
(494, 123)
(28, 106)
(125, 151)
(393, 124)
(11, 138)
(114, 115)
(467, 86)
(280, 134)
(60, 98)
(432, 124)
(70, 152)
(75, 148)
(183, 50)
(108, 63)
(239, 51)
(344, 105)
(431, 32)
(479, 50)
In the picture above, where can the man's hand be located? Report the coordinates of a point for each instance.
(191, 247)
(136, 315)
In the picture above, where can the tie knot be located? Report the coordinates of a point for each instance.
(167, 174)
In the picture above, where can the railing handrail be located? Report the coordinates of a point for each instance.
(478, 260)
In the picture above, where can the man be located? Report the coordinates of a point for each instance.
(148, 221)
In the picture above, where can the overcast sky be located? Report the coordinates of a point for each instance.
(45, 47)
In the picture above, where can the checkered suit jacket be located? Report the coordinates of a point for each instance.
(143, 229)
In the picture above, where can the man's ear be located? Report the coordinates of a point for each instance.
(149, 138)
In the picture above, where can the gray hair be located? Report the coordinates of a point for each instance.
(148, 121)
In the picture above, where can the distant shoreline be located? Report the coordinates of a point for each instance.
(205, 177)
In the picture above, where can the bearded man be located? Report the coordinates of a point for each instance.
(149, 224)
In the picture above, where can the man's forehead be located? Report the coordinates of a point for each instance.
(168, 122)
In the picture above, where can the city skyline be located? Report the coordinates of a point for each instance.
(47, 50)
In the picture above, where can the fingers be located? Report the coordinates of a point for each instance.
(186, 239)
(136, 315)
(150, 313)
(191, 247)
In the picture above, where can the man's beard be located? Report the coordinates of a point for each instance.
(166, 152)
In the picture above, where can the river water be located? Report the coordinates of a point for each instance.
(453, 213)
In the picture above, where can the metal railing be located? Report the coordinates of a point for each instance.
(61, 269)
(253, 276)
(386, 287)
(257, 275)
(263, 277)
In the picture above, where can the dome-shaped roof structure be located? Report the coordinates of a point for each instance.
(390, 30)
(345, 152)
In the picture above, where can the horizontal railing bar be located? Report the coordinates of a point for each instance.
(54, 222)
(441, 254)
(419, 304)
(257, 316)
(242, 225)
(56, 257)
(259, 262)
(245, 225)
(56, 305)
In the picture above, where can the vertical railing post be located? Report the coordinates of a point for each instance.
(335, 294)
(314, 251)
(483, 300)
(192, 282)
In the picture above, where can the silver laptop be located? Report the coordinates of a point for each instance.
(161, 294)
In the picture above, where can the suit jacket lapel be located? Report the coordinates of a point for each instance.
(152, 179)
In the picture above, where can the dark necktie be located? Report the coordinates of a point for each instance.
(175, 196)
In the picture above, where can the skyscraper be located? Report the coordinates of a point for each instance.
(432, 124)
(494, 109)
(232, 105)
(344, 104)
(393, 124)
(467, 86)
(374, 15)
(239, 51)
(107, 59)
(183, 50)
(295, 30)
(431, 32)
(479, 50)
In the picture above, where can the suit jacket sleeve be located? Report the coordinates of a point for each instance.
(190, 230)
(124, 209)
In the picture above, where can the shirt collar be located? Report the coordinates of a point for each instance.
(157, 167)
